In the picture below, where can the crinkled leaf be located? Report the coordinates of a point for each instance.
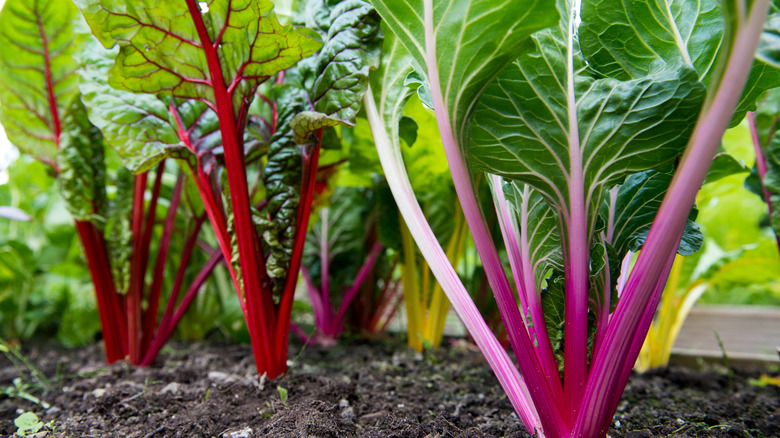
(160, 51)
(81, 160)
(338, 74)
(136, 125)
(474, 40)
(631, 213)
(324, 90)
(522, 129)
(543, 241)
(281, 178)
(119, 235)
(37, 73)
(628, 39)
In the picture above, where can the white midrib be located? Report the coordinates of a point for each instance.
(677, 37)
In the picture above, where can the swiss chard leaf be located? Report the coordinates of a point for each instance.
(473, 40)
(37, 73)
(337, 77)
(342, 228)
(322, 91)
(772, 179)
(553, 305)
(523, 128)
(136, 125)
(119, 235)
(81, 161)
(724, 165)
(160, 51)
(543, 242)
(672, 33)
(631, 212)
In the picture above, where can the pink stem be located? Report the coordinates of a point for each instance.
(762, 167)
(368, 265)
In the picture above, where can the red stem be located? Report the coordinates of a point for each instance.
(167, 326)
(57, 129)
(301, 226)
(150, 316)
(259, 302)
(137, 271)
(109, 308)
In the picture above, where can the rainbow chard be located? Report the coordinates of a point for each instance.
(187, 75)
(568, 151)
(45, 117)
(344, 237)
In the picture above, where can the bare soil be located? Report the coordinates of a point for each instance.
(356, 389)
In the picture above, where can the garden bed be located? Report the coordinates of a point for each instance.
(355, 390)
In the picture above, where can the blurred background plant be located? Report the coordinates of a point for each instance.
(45, 290)
(738, 263)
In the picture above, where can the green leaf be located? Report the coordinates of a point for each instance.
(388, 83)
(724, 165)
(553, 307)
(27, 424)
(769, 47)
(324, 90)
(37, 73)
(544, 240)
(474, 40)
(772, 179)
(81, 161)
(118, 232)
(338, 74)
(482, 39)
(631, 211)
(160, 51)
(136, 125)
(343, 226)
(407, 129)
(522, 129)
(425, 160)
(604, 260)
(627, 39)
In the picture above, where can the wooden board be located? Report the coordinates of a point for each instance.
(747, 332)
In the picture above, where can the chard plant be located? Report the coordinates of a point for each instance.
(44, 117)
(184, 77)
(764, 179)
(595, 137)
(425, 303)
(343, 262)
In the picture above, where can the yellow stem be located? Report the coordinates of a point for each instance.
(414, 316)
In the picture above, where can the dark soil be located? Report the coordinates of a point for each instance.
(355, 390)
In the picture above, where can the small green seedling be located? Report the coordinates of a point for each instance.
(27, 424)
(282, 394)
